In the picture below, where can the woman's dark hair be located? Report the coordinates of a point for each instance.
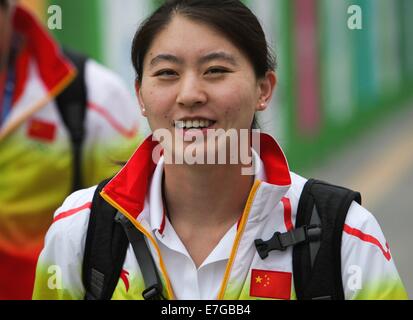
(4, 4)
(230, 17)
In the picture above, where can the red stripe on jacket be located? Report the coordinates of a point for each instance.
(71, 212)
(368, 238)
(128, 133)
(287, 214)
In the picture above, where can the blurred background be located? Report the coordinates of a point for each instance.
(343, 108)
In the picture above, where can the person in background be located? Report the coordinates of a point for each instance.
(203, 70)
(36, 152)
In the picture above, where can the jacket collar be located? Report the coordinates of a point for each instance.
(130, 186)
(55, 70)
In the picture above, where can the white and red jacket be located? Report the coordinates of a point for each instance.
(234, 269)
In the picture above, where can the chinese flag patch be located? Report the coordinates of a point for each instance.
(41, 130)
(270, 284)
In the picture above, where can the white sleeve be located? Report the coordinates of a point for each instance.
(59, 267)
(368, 268)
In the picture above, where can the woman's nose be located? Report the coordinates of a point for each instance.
(191, 92)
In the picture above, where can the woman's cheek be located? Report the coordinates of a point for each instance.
(159, 103)
(237, 105)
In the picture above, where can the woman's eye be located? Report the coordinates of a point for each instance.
(217, 71)
(167, 73)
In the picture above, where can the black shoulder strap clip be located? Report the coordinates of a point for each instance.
(281, 241)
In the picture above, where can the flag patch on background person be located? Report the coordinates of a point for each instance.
(270, 284)
(41, 130)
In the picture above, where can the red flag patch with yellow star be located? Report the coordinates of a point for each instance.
(270, 284)
(41, 130)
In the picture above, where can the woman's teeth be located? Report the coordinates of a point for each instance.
(193, 124)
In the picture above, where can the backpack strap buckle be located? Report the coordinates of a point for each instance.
(152, 293)
(264, 247)
(313, 232)
(281, 241)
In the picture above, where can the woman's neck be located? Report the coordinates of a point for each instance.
(203, 203)
(206, 196)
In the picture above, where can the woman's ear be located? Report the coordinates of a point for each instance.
(266, 88)
(140, 99)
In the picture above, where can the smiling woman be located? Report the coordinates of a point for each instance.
(203, 66)
(213, 85)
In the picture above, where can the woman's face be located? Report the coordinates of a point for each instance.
(192, 72)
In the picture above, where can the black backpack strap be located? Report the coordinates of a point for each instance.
(105, 250)
(317, 264)
(108, 236)
(71, 104)
(148, 267)
(316, 240)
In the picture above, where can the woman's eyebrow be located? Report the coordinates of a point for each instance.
(165, 57)
(220, 55)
